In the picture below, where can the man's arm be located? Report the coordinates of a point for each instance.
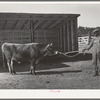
(88, 46)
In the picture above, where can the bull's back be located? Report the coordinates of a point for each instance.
(28, 50)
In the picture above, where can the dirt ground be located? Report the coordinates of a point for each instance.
(76, 73)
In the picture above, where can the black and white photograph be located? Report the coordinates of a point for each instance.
(49, 46)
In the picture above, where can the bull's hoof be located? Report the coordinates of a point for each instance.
(14, 73)
(95, 75)
(32, 73)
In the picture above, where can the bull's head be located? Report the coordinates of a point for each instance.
(51, 50)
(50, 45)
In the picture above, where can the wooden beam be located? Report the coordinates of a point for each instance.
(35, 18)
(24, 25)
(72, 35)
(17, 30)
(64, 43)
(54, 24)
(32, 32)
(45, 38)
(33, 23)
(61, 39)
(37, 24)
(61, 24)
(15, 24)
(68, 36)
(50, 24)
(46, 23)
(76, 35)
(64, 38)
(5, 24)
(40, 25)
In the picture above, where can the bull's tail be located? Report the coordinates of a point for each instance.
(4, 61)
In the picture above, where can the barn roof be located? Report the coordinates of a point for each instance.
(22, 20)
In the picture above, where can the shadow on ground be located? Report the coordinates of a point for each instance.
(52, 62)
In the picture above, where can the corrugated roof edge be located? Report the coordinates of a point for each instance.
(54, 14)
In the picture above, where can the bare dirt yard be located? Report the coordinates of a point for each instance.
(53, 73)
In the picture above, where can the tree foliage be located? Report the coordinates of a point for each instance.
(84, 31)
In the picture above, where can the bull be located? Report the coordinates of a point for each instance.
(31, 52)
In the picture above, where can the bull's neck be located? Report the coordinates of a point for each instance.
(43, 51)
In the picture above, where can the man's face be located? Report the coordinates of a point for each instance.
(96, 34)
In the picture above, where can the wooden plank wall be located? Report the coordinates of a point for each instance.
(14, 36)
(68, 38)
(40, 36)
(64, 38)
(46, 36)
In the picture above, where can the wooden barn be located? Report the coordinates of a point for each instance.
(59, 29)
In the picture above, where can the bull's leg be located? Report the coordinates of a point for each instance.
(12, 67)
(96, 70)
(32, 67)
(98, 61)
(9, 65)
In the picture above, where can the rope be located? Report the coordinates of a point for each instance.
(66, 54)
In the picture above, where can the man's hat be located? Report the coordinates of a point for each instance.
(95, 31)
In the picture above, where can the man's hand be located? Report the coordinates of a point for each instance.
(84, 51)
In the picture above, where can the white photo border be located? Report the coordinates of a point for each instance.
(47, 93)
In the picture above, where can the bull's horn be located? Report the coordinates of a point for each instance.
(48, 45)
(51, 43)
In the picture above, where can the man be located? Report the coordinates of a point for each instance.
(95, 43)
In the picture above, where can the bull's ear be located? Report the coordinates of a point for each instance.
(48, 45)
(51, 44)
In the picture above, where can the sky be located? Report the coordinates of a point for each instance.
(89, 11)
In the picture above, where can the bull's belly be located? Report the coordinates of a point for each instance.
(21, 59)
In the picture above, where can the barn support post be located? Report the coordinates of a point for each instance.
(31, 31)
(68, 44)
(33, 40)
(44, 36)
(13, 37)
(64, 37)
(69, 35)
(61, 39)
(72, 35)
(76, 35)
(3, 36)
(37, 36)
(59, 44)
(21, 37)
(30, 28)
